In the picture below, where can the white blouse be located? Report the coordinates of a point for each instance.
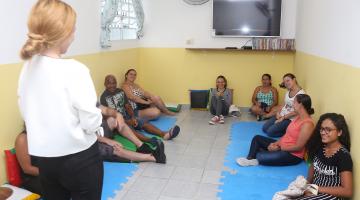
(57, 100)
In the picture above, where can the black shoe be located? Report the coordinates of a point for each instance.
(144, 148)
(159, 153)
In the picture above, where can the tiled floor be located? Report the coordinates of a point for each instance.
(194, 162)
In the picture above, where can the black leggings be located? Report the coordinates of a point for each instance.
(77, 176)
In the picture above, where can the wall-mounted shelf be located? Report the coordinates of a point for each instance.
(245, 50)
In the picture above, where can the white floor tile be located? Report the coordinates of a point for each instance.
(158, 171)
(181, 189)
(187, 174)
(149, 185)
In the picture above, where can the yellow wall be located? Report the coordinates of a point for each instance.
(171, 72)
(99, 64)
(333, 87)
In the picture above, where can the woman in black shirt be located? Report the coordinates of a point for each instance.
(329, 149)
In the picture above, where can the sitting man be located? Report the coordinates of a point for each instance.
(115, 98)
(112, 150)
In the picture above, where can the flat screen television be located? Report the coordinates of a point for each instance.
(247, 18)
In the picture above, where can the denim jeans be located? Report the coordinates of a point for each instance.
(258, 150)
(273, 129)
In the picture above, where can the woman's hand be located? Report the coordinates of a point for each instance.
(273, 147)
(307, 193)
(133, 122)
(278, 116)
(279, 120)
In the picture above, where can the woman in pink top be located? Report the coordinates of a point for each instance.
(290, 149)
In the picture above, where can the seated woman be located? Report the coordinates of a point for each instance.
(264, 99)
(290, 149)
(221, 98)
(276, 125)
(329, 149)
(116, 99)
(146, 103)
(28, 165)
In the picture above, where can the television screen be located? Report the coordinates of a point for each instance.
(247, 18)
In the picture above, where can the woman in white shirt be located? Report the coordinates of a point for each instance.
(57, 100)
(276, 125)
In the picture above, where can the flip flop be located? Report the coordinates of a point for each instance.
(174, 132)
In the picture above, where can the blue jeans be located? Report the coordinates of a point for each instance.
(258, 150)
(275, 130)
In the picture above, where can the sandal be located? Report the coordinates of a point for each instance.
(174, 132)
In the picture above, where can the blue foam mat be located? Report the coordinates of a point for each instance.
(114, 175)
(257, 182)
(163, 123)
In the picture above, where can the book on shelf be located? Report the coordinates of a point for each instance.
(273, 44)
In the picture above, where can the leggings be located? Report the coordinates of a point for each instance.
(218, 106)
(258, 150)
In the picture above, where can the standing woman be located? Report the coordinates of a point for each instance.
(148, 105)
(57, 101)
(264, 99)
(221, 98)
(276, 125)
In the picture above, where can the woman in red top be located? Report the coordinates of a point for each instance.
(288, 150)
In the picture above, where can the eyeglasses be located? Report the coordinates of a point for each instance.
(326, 130)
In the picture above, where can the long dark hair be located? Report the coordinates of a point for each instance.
(315, 144)
(128, 71)
(223, 77)
(305, 100)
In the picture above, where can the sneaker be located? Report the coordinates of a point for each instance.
(246, 162)
(214, 120)
(159, 153)
(144, 148)
(221, 119)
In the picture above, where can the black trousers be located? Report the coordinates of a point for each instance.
(77, 176)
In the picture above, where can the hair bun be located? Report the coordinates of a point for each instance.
(311, 111)
(38, 37)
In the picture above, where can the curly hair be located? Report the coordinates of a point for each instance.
(315, 144)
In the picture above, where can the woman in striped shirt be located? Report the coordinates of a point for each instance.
(330, 174)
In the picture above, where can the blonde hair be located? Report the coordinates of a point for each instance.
(50, 22)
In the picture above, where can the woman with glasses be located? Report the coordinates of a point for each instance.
(330, 174)
(290, 149)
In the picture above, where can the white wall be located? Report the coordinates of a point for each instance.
(330, 29)
(170, 23)
(13, 19)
